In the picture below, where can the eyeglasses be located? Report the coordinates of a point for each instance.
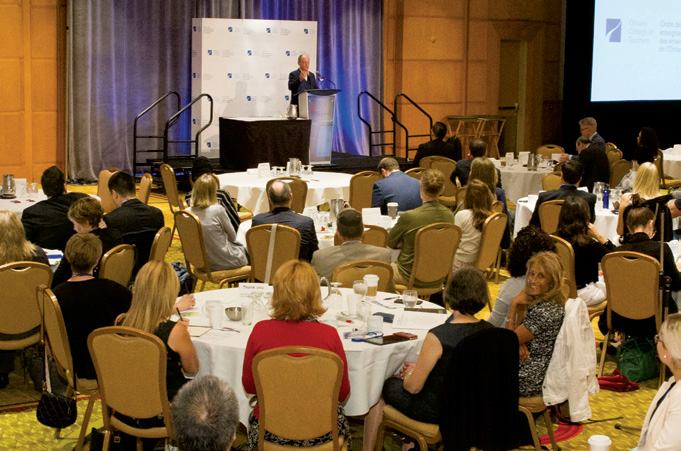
(658, 339)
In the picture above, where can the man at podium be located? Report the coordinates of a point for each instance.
(301, 79)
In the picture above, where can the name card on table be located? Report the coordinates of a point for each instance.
(555, 156)
(253, 290)
(264, 170)
(372, 216)
(523, 156)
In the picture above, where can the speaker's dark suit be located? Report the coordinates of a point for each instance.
(296, 86)
(562, 193)
(438, 147)
(47, 224)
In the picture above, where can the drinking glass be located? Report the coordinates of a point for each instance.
(598, 191)
(359, 287)
(410, 298)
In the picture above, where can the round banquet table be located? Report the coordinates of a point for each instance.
(518, 182)
(249, 189)
(606, 220)
(221, 352)
(672, 165)
(19, 204)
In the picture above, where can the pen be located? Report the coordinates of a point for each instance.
(178, 313)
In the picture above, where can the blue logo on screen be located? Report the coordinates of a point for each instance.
(210, 52)
(267, 75)
(305, 30)
(613, 30)
(249, 53)
(288, 53)
(248, 98)
(208, 144)
(229, 75)
(286, 97)
(269, 30)
(229, 29)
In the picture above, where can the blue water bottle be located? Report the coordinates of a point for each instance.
(606, 198)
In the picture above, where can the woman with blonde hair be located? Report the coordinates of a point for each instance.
(219, 235)
(296, 305)
(14, 248)
(661, 426)
(536, 316)
(153, 303)
(477, 207)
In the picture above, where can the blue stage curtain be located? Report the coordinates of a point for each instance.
(124, 54)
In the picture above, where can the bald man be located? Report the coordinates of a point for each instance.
(301, 79)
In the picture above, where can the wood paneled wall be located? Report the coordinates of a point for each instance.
(444, 54)
(32, 84)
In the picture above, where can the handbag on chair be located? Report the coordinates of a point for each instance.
(55, 410)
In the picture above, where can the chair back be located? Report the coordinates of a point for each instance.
(103, 192)
(145, 188)
(551, 181)
(416, 172)
(270, 246)
(614, 156)
(566, 255)
(632, 284)
(19, 282)
(434, 249)
(447, 166)
(375, 235)
(160, 245)
(487, 368)
(460, 195)
(349, 272)
(131, 372)
(191, 236)
(54, 330)
(610, 147)
(618, 170)
(490, 240)
(298, 192)
(361, 189)
(548, 149)
(549, 212)
(175, 201)
(281, 376)
(118, 264)
(659, 165)
(498, 206)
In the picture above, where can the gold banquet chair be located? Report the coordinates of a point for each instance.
(549, 212)
(548, 149)
(280, 376)
(566, 255)
(551, 181)
(138, 393)
(118, 264)
(618, 170)
(270, 246)
(489, 255)
(375, 235)
(361, 189)
(416, 172)
(449, 196)
(160, 245)
(349, 272)
(434, 249)
(103, 192)
(175, 201)
(194, 248)
(145, 188)
(54, 330)
(298, 192)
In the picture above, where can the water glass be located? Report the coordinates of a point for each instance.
(247, 313)
(359, 287)
(410, 298)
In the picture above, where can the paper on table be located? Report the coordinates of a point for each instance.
(371, 216)
(216, 335)
(415, 320)
(197, 331)
(389, 304)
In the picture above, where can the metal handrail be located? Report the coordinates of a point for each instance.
(392, 117)
(406, 143)
(176, 117)
(134, 128)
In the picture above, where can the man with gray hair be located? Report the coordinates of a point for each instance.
(349, 232)
(205, 415)
(280, 195)
(395, 186)
(587, 128)
(301, 79)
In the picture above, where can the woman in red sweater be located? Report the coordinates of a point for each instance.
(296, 304)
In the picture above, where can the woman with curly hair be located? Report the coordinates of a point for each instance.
(477, 207)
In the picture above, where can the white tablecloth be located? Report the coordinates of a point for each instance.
(606, 220)
(249, 189)
(19, 204)
(221, 353)
(518, 182)
(672, 165)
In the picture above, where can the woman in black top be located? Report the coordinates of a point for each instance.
(589, 245)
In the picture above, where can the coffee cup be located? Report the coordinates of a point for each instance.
(372, 285)
(599, 443)
(392, 209)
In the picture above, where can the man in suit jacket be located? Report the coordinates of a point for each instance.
(46, 223)
(136, 222)
(280, 195)
(477, 148)
(594, 161)
(349, 230)
(301, 79)
(572, 173)
(395, 186)
(438, 146)
(587, 128)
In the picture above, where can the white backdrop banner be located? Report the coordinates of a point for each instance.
(244, 65)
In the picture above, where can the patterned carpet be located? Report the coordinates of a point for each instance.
(19, 428)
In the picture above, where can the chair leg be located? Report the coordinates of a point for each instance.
(203, 284)
(549, 427)
(57, 432)
(606, 341)
(533, 427)
(86, 421)
(140, 446)
(497, 267)
(107, 440)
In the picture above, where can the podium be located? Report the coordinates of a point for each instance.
(318, 105)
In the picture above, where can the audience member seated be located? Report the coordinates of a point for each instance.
(86, 216)
(280, 196)
(46, 223)
(438, 146)
(416, 391)
(349, 230)
(536, 316)
(477, 148)
(219, 236)
(660, 429)
(395, 186)
(477, 207)
(205, 415)
(595, 163)
(640, 222)
(589, 246)
(484, 170)
(570, 177)
(645, 152)
(14, 247)
(403, 234)
(86, 302)
(529, 241)
(201, 166)
(137, 222)
(296, 305)
(646, 187)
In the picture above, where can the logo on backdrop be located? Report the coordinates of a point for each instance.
(249, 52)
(613, 30)
(193, 121)
(193, 74)
(208, 144)
(248, 98)
(210, 52)
(229, 75)
(267, 75)
(305, 30)
(286, 97)
(269, 30)
(229, 29)
(288, 53)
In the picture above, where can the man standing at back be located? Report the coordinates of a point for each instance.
(46, 223)
(395, 186)
(280, 195)
(136, 222)
(438, 146)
